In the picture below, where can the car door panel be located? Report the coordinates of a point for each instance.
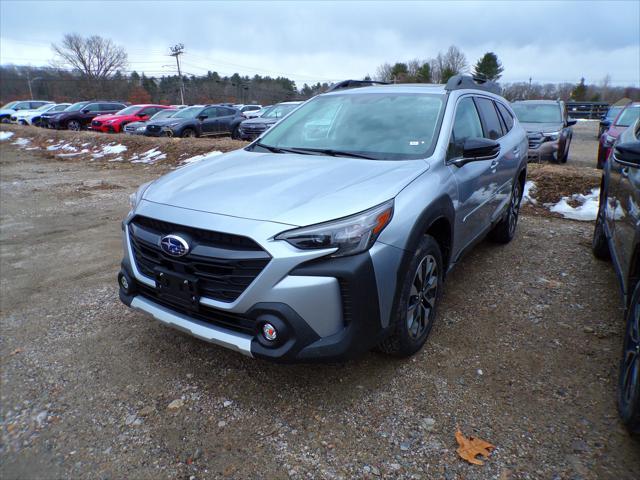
(209, 125)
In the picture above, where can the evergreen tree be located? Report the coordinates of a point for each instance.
(423, 75)
(579, 92)
(488, 67)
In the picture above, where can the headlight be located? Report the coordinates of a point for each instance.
(134, 198)
(110, 121)
(350, 235)
(171, 125)
(609, 140)
(551, 136)
(141, 129)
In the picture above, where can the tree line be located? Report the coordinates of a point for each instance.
(94, 67)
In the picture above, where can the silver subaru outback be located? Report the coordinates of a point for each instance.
(334, 231)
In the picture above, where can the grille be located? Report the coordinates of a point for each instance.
(130, 128)
(154, 128)
(535, 139)
(254, 129)
(234, 263)
(206, 314)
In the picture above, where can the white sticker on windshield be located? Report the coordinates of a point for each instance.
(415, 142)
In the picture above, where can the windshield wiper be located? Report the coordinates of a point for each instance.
(331, 152)
(273, 149)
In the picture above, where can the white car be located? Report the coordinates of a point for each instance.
(32, 117)
(12, 107)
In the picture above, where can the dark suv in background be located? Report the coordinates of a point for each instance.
(80, 114)
(617, 237)
(197, 121)
(548, 128)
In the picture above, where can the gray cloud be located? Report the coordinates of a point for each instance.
(550, 41)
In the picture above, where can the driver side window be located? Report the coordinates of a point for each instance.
(466, 124)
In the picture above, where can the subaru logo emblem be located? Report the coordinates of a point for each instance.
(174, 245)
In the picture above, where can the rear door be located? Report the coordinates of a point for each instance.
(209, 125)
(226, 116)
(623, 214)
(476, 180)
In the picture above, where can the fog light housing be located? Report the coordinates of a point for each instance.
(127, 285)
(269, 332)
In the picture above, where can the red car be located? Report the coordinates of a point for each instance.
(626, 117)
(114, 123)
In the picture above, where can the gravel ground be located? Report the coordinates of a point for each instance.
(524, 355)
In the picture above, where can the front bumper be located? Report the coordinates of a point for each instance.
(543, 151)
(325, 309)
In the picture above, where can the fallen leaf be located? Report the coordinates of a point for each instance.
(471, 447)
(16, 351)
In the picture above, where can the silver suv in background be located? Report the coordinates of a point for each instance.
(334, 232)
(548, 128)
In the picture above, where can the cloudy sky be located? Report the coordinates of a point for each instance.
(329, 41)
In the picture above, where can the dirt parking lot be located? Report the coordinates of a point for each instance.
(524, 354)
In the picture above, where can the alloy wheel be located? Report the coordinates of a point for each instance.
(422, 298)
(514, 208)
(74, 125)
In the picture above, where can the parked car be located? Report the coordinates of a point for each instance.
(138, 128)
(257, 113)
(246, 109)
(197, 121)
(32, 117)
(12, 107)
(254, 127)
(625, 118)
(47, 120)
(305, 247)
(617, 237)
(79, 118)
(607, 118)
(548, 128)
(115, 122)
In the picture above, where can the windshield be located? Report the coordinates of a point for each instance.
(8, 105)
(164, 113)
(628, 116)
(613, 112)
(279, 111)
(76, 107)
(537, 113)
(46, 106)
(384, 126)
(128, 111)
(190, 112)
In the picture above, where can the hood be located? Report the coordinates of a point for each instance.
(104, 118)
(542, 127)
(7, 111)
(24, 113)
(260, 121)
(285, 188)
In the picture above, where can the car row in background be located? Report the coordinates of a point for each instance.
(115, 122)
(33, 116)
(254, 127)
(625, 118)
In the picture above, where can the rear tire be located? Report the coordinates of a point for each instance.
(629, 377)
(235, 135)
(419, 295)
(599, 244)
(74, 125)
(505, 230)
(188, 133)
(565, 154)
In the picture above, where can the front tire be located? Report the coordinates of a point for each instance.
(505, 230)
(419, 296)
(74, 125)
(629, 378)
(235, 134)
(599, 244)
(188, 133)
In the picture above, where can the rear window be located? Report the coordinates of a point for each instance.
(491, 122)
(628, 116)
(506, 116)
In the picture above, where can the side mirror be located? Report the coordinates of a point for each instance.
(477, 149)
(141, 115)
(202, 117)
(571, 122)
(605, 123)
(85, 110)
(628, 154)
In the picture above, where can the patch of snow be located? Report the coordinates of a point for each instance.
(527, 195)
(587, 120)
(21, 142)
(113, 149)
(67, 155)
(117, 159)
(150, 156)
(62, 146)
(197, 158)
(5, 135)
(32, 148)
(586, 211)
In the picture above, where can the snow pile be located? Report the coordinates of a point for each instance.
(5, 136)
(21, 142)
(111, 149)
(150, 156)
(527, 194)
(73, 154)
(62, 146)
(197, 158)
(586, 211)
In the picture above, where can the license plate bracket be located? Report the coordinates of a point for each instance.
(177, 287)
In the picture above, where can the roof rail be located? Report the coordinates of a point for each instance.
(353, 84)
(475, 82)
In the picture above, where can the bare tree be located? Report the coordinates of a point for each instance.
(96, 58)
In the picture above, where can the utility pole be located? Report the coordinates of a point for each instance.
(176, 51)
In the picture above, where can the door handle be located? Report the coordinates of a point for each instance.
(516, 151)
(625, 172)
(494, 164)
